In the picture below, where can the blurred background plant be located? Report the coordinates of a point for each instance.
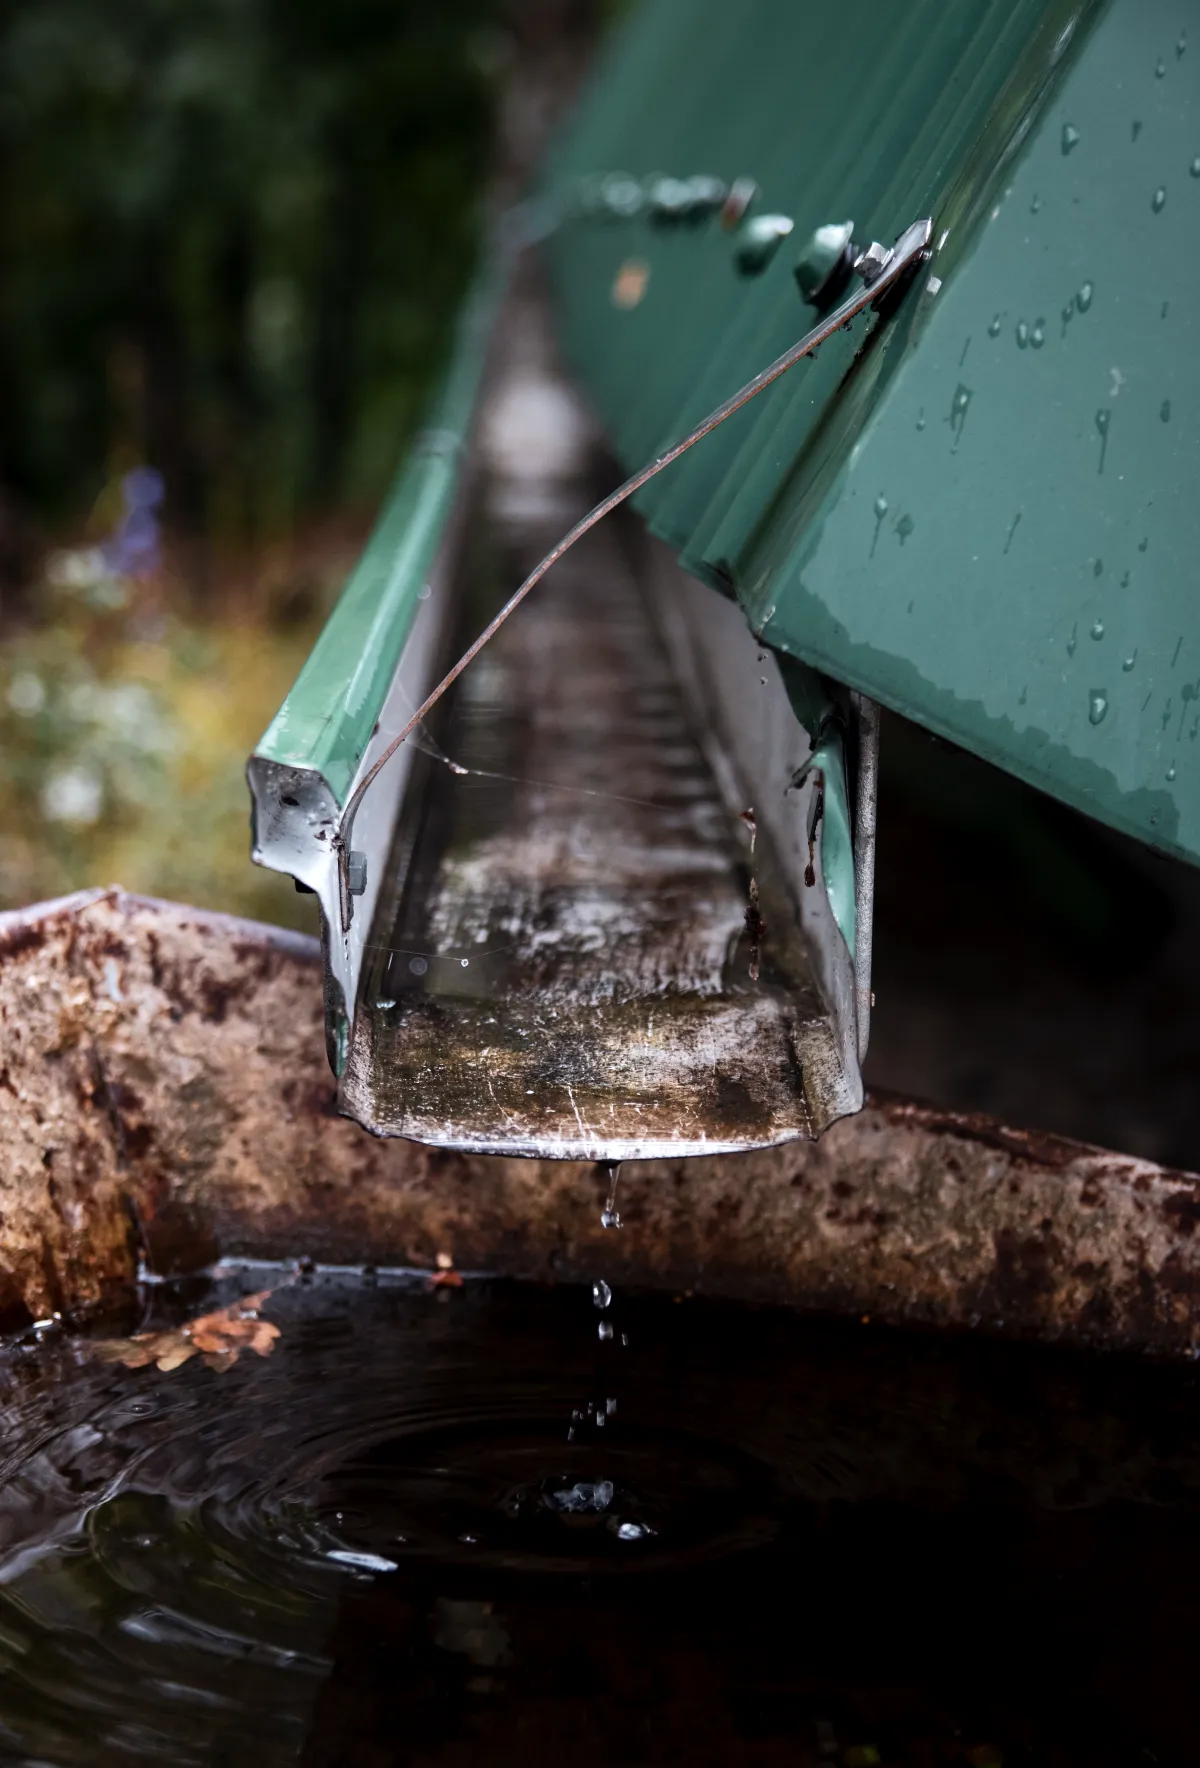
(233, 236)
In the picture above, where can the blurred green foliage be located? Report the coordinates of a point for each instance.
(233, 234)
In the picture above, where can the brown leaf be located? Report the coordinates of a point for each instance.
(220, 1337)
(446, 1280)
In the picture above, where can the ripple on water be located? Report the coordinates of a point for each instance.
(383, 1529)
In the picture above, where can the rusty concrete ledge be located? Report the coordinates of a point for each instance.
(164, 1091)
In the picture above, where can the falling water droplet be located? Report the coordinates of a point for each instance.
(601, 1293)
(605, 1330)
(1037, 336)
(1083, 299)
(1022, 334)
(1103, 420)
(1070, 137)
(1171, 773)
(1159, 199)
(994, 327)
(1129, 662)
(608, 1215)
(1164, 411)
(1097, 629)
(1097, 706)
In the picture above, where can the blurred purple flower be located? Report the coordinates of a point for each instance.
(134, 549)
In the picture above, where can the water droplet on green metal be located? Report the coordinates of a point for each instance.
(1171, 773)
(1035, 206)
(881, 506)
(1129, 662)
(1083, 299)
(1037, 336)
(1181, 46)
(1159, 200)
(1160, 68)
(1098, 568)
(1097, 629)
(1072, 641)
(904, 527)
(1097, 706)
(1070, 137)
(1164, 411)
(1022, 334)
(994, 327)
(1137, 129)
(1143, 544)
(1194, 168)
(921, 418)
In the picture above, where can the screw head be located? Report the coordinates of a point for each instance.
(872, 263)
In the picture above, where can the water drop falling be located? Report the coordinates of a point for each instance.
(601, 1293)
(1159, 199)
(1164, 411)
(1097, 706)
(1097, 629)
(608, 1215)
(1037, 336)
(1083, 299)
(1103, 420)
(994, 327)
(1129, 662)
(1171, 772)
(604, 1330)
(1070, 137)
(1022, 334)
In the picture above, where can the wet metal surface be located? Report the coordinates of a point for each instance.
(164, 1094)
(584, 953)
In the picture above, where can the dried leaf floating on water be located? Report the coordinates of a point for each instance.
(219, 1337)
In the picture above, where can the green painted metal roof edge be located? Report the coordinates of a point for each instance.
(330, 713)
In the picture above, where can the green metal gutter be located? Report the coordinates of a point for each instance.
(329, 715)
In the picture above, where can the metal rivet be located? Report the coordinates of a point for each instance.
(823, 267)
(758, 241)
(742, 193)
